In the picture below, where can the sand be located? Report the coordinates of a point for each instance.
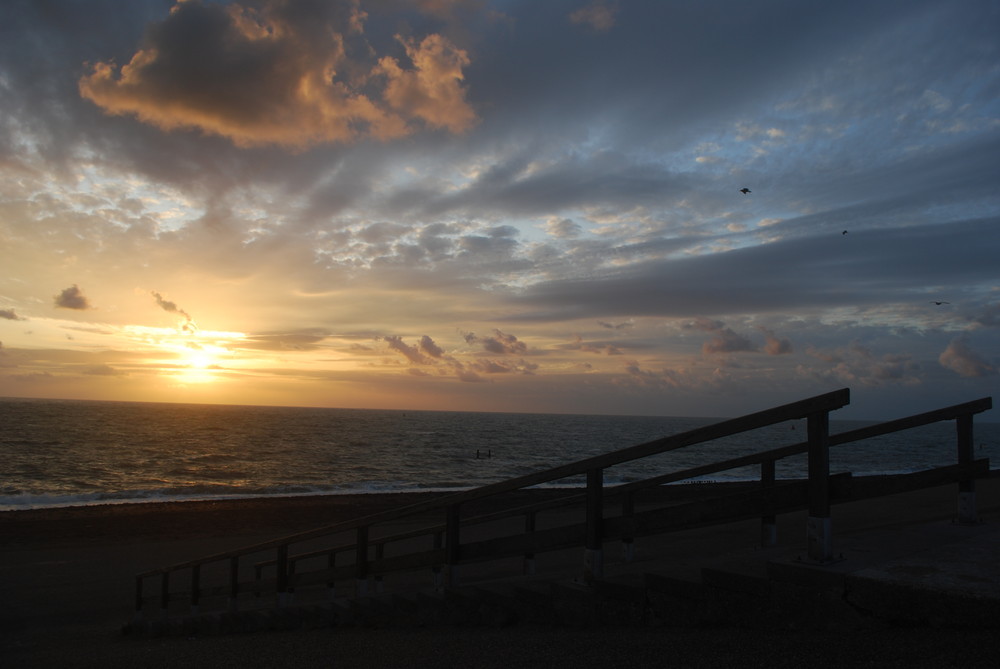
(66, 586)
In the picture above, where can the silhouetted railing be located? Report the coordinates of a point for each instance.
(442, 547)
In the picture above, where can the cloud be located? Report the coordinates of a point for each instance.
(103, 370)
(962, 360)
(595, 348)
(428, 346)
(72, 298)
(775, 345)
(858, 364)
(563, 228)
(432, 90)
(277, 76)
(599, 15)
(411, 353)
(724, 339)
(171, 307)
(501, 343)
(616, 326)
(11, 315)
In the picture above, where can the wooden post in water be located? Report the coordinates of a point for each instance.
(967, 513)
(593, 553)
(768, 522)
(819, 533)
(451, 544)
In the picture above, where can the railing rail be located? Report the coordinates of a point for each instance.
(450, 551)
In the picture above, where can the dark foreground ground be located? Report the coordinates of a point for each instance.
(66, 579)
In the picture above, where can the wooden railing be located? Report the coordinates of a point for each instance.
(443, 547)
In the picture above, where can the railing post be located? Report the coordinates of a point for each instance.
(281, 575)
(768, 521)
(436, 569)
(451, 544)
(379, 554)
(967, 512)
(331, 563)
(165, 593)
(628, 541)
(234, 583)
(593, 553)
(361, 562)
(138, 598)
(819, 534)
(195, 588)
(529, 558)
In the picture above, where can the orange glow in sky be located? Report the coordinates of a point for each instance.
(576, 207)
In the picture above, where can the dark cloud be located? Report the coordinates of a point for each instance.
(897, 264)
(172, 307)
(11, 315)
(501, 343)
(411, 353)
(72, 298)
(428, 347)
(270, 75)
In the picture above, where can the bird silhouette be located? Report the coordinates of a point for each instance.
(744, 190)
(844, 232)
(939, 303)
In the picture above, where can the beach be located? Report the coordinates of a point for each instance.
(67, 587)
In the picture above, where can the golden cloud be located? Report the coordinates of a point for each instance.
(258, 79)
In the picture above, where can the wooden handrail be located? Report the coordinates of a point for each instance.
(795, 410)
(815, 409)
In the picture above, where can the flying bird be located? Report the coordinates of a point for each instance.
(744, 190)
(939, 303)
(844, 232)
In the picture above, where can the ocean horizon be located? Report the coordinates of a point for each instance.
(56, 453)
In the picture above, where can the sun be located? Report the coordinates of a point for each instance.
(200, 363)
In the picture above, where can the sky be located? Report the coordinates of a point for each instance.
(490, 205)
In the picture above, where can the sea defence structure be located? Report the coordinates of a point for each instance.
(478, 552)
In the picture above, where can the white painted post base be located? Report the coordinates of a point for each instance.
(451, 575)
(819, 539)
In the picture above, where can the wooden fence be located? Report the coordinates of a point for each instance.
(442, 547)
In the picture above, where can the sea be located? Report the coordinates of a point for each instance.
(57, 453)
